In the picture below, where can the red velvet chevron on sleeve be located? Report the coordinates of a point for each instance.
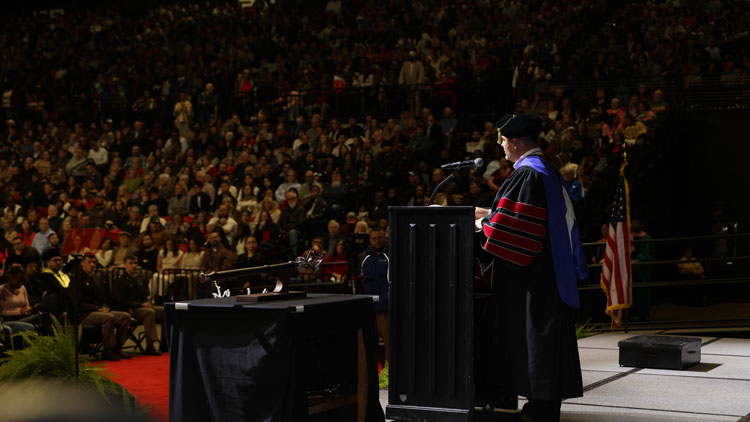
(523, 209)
(515, 231)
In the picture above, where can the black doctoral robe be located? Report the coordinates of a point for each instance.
(533, 349)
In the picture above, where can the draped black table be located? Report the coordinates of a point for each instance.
(295, 360)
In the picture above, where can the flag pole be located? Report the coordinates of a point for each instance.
(616, 277)
(626, 311)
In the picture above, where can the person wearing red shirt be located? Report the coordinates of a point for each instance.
(340, 271)
(27, 232)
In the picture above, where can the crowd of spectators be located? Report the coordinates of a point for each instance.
(678, 42)
(80, 64)
(480, 56)
(207, 136)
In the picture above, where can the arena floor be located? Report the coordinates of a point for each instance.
(716, 389)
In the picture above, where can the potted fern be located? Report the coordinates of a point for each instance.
(53, 358)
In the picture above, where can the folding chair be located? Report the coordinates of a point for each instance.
(51, 306)
(137, 338)
(6, 334)
(91, 341)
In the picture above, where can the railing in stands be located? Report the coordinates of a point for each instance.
(726, 90)
(730, 89)
(719, 299)
(183, 284)
(727, 282)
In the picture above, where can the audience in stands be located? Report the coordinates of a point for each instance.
(188, 153)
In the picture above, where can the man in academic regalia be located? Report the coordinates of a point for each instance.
(55, 282)
(538, 259)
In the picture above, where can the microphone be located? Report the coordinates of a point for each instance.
(468, 164)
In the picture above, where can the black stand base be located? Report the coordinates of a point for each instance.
(420, 413)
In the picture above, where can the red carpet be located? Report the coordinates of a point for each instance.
(147, 377)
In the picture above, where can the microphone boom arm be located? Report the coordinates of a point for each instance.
(440, 185)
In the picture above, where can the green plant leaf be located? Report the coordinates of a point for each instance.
(586, 329)
(53, 358)
(383, 377)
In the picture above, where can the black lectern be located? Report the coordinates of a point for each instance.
(431, 314)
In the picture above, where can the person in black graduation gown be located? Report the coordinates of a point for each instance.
(55, 282)
(530, 233)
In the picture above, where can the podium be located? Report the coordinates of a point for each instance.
(431, 315)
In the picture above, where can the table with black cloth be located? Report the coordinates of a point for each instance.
(288, 360)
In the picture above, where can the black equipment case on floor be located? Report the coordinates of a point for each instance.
(660, 352)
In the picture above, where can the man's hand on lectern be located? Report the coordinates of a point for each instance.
(479, 214)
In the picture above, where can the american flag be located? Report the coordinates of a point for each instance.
(616, 279)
